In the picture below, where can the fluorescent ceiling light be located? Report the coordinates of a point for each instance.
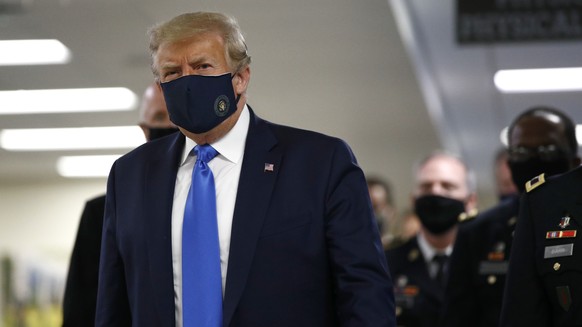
(503, 136)
(66, 100)
(33, 52)
(539, 80)
(82, 138)
(85, 166)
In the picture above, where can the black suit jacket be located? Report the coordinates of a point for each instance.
(80, 297)
(418, 297)
(544, 281)
(304, 250)
(478, 267)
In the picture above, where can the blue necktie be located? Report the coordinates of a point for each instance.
(201, 278)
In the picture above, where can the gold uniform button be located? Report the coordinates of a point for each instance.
(491, 279)
(398, 311)
(557, 266)
(413, 255)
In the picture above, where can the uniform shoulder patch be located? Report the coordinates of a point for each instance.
(534, 182)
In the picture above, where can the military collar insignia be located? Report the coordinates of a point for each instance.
(534, 182)
(413, 255)
(466, 216)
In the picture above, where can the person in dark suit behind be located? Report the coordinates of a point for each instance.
(540, 140)
(444, 190)
(544, 283)
(297, 241)
(80, 297)
(504, 186)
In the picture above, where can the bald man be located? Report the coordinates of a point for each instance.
(80, 297)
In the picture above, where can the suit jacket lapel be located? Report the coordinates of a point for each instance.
(256, 184)
(160, 175)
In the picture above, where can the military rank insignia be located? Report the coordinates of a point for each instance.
(534, 182)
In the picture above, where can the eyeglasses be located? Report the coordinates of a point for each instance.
(544, 152)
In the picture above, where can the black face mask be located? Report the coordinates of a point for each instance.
(523, 171)
(156, 133)
(438, 214)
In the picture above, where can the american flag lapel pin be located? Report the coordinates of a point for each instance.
(269, 167)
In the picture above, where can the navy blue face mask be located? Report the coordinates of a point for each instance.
(199, 103)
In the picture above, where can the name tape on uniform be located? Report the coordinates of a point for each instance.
(493, 267)
(557, 251)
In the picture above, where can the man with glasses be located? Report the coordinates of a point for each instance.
(544, 279)
(541, 140)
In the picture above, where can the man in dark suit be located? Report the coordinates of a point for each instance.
(543, 281)
(541, 139)
(504, 186)
(444, 190)
(297, 238)
(80, 298)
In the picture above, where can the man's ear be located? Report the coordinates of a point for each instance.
(241, 80)
(471, 204)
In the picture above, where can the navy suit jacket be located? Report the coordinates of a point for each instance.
(80, 296)
(304, 249)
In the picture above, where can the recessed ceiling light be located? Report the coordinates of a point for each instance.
(539, 80)
(81, 138)
(33, 52)
(67, 100)
(85, 166)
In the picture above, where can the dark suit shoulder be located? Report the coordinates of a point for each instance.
(97, 202)
(305, 143)
(503, 213)
(155, 148)
(293, 134)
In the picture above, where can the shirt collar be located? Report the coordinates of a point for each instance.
(232, 145)
(428, 251)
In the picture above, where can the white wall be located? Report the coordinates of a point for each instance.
(41, 219)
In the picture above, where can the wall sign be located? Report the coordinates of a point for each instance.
(492, 21)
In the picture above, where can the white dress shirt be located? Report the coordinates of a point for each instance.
(226, 168)
(428, 252)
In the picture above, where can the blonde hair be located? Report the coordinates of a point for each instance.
(191, 24)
